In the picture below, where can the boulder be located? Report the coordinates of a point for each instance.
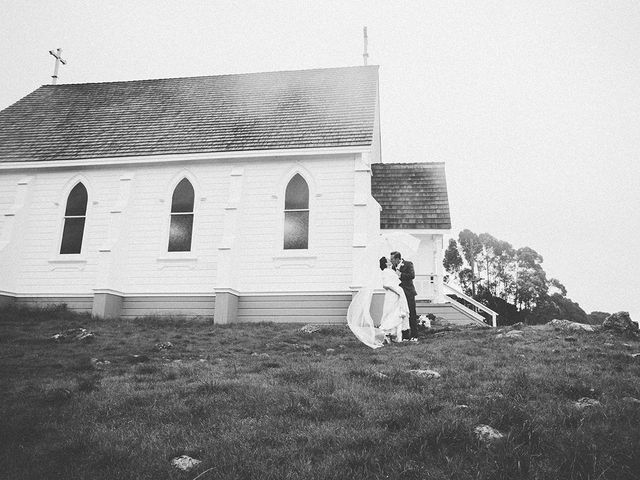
(620, 322)
(568, 325)
(163, 346)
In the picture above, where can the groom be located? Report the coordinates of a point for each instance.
(407, 274)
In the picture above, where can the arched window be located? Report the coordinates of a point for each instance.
(296, 214)
(181, 217)
(74, 216)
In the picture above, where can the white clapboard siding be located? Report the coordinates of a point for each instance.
(74, 304)
(9, 228)
(259, 239)
(294, 308)
(125, 238)
(147, 265)
(189, 306)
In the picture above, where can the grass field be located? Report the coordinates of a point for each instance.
(268, 401)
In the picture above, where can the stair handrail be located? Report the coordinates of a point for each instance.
(474, 302)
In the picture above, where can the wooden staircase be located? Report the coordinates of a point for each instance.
(453, 312)
(450, 313)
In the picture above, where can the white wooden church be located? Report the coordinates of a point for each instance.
(244, 197)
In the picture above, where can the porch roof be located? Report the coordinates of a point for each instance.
(412, 195)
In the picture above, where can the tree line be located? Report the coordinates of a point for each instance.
(510, 281)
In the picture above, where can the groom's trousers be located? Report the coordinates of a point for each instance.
(413, 316)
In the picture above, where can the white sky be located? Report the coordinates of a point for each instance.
(534, 106)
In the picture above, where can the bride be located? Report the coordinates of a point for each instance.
(395, 316)
(395, 312)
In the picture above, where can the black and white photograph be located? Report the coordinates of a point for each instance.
(359, 239)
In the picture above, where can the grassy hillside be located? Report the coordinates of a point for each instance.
(268, 401)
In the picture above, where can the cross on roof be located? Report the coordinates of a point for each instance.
(58, 56)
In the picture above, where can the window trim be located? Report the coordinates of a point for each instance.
(73, 258)
(164, 254)
(174, 215)
(285, 211)
(279, 253)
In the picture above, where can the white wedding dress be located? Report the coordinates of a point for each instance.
(395, 316)
(395, 312)
(360, 321)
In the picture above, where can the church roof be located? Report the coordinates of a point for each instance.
(333, 107)
(412, 195)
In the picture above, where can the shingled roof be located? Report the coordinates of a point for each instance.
(332, 107)
(412, 195)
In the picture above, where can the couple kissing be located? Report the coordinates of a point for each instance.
(399, 320)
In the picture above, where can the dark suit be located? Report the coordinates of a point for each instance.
(407, 274)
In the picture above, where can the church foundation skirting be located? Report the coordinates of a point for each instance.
(301, 308)
(170, 305)
(230, 307)
(225, 306)
(79, 304)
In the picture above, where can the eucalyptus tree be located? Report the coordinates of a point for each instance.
(452, 260)
(531, 279)
(471, 249)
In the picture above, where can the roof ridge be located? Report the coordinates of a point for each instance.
(354, 67)
(410, 163)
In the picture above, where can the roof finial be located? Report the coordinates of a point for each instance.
(58, 55)
(365, 55)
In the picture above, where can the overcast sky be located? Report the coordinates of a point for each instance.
(534, 106)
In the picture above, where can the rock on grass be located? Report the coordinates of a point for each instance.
(572, 326)
(185, 463)
(586, 402)
(487, 434)
(310, 328)
(425, 373)
(80, 334)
